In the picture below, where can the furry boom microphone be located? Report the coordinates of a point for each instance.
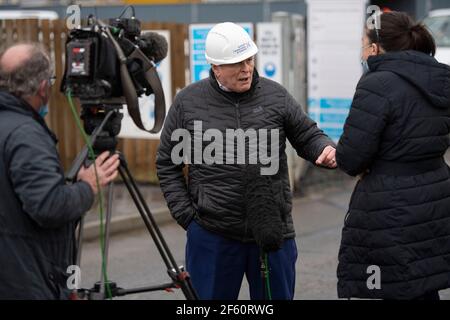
(263, 212)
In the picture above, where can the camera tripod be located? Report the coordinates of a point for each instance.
(101, 290)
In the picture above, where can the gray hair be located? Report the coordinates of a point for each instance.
(25, 79)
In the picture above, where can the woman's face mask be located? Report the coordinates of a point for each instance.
(365, 66)
(368, 49)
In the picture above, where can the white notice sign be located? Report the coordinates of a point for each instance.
(268, 36)
(334, 50)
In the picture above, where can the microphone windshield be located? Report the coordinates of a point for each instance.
(154, 46)
(262, 209)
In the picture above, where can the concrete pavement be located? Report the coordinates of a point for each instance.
(318, 218)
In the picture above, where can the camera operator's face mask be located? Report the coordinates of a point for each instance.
(43, 110)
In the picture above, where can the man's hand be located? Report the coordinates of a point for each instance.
(327, 158)
(106, 171)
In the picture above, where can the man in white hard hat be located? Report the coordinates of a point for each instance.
(213, 205)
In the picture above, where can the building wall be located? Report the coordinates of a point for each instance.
(236, 11)
(416, 8)
(197, 12)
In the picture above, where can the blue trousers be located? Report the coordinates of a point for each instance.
(217, 266)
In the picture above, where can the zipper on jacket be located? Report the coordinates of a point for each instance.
(238, 115)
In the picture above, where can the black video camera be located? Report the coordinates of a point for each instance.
(108, 65)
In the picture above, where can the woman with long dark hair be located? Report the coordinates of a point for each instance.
(396, 237)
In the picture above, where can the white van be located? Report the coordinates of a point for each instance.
(438, 21)
(28, 14)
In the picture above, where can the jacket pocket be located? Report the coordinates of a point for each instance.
(352, 197)
(204, 205)
(282, 199)
(56, 279)
(286, 204)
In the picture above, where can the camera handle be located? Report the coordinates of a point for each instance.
(151, 75)
(130, 94)
(83, 155)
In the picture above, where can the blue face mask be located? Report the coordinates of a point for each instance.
(365, 66)
(43, 110)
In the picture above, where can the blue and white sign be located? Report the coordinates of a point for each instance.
(270, 50)
(147, 103)
(197, 37)
(334, 51)
(270, 69)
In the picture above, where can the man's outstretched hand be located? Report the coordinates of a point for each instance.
(327, 158)
(106, 171)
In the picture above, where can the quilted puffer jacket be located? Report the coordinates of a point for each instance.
(398, 224)
(214, 193)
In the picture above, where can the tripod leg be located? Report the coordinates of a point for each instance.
(174, 271)
(140, 208)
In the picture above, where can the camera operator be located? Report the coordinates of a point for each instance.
(38, 211)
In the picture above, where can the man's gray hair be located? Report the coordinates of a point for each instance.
(24, 80)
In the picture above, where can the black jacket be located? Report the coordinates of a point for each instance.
(37, 210)
(214, 194)
(399, 216)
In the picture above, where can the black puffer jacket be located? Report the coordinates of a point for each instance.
(214, 194)
(37, 210)
(399, 216)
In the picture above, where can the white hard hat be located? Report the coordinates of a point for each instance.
(228, 43)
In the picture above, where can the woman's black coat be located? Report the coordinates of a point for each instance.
(398, 221)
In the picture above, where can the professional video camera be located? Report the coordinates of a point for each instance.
(108, 65)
